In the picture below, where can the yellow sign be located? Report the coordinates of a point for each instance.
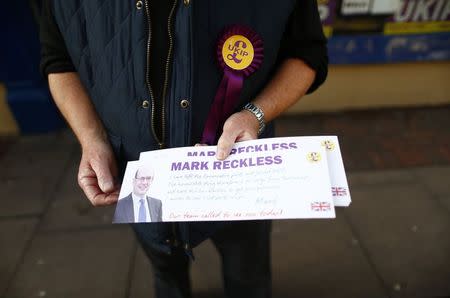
(416, 27)
(238, 52)
(8, 124)
(328, 31)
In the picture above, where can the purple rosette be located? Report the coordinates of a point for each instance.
(240, 52)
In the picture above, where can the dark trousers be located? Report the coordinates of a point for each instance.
(245, 251)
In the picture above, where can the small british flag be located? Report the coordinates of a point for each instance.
(320, 206)
(339, 191)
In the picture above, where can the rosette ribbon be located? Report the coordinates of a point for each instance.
(240, 53)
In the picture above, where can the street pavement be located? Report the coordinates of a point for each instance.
(393, 241)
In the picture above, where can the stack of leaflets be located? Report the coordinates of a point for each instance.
(276, 178)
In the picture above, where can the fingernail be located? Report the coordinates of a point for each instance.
(220, 154)
(107, 185)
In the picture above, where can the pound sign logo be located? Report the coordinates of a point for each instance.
(238, 52)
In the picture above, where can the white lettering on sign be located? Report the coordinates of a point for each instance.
(384, 7)
(423, 11)
(445, 12)
(324, 12)
(350, 7)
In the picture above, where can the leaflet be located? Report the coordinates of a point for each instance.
(339, 185)
(277, 178)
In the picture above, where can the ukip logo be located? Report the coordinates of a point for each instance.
(237, 52)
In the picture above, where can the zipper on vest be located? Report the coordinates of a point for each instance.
(159, 139)
(166, 74)
(147, 73)
(175, 235)
(165, 86)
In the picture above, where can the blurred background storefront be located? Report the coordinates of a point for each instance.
(383, 53)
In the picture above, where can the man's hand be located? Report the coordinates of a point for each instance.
(241, 126)
(290, 83)
(98, 167)
(97, 173)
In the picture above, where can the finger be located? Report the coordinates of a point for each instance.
(87, 179)
(90, 187)
(226, 143)
(104, 175)
(200, 145)
(106, 199)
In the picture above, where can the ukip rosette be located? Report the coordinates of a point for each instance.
(240, 52)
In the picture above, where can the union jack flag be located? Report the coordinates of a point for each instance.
(320, 206)
(339, 191)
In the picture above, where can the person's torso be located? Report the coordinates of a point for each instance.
(110, 44)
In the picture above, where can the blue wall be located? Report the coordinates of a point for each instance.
(27, 93)
(378, 48)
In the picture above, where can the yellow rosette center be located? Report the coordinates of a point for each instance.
(238, 52)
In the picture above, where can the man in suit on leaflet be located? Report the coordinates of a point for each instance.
(137, 206)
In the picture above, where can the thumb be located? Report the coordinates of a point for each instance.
(104, 175)
(226, 143)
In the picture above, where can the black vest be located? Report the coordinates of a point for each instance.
(108, 42)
